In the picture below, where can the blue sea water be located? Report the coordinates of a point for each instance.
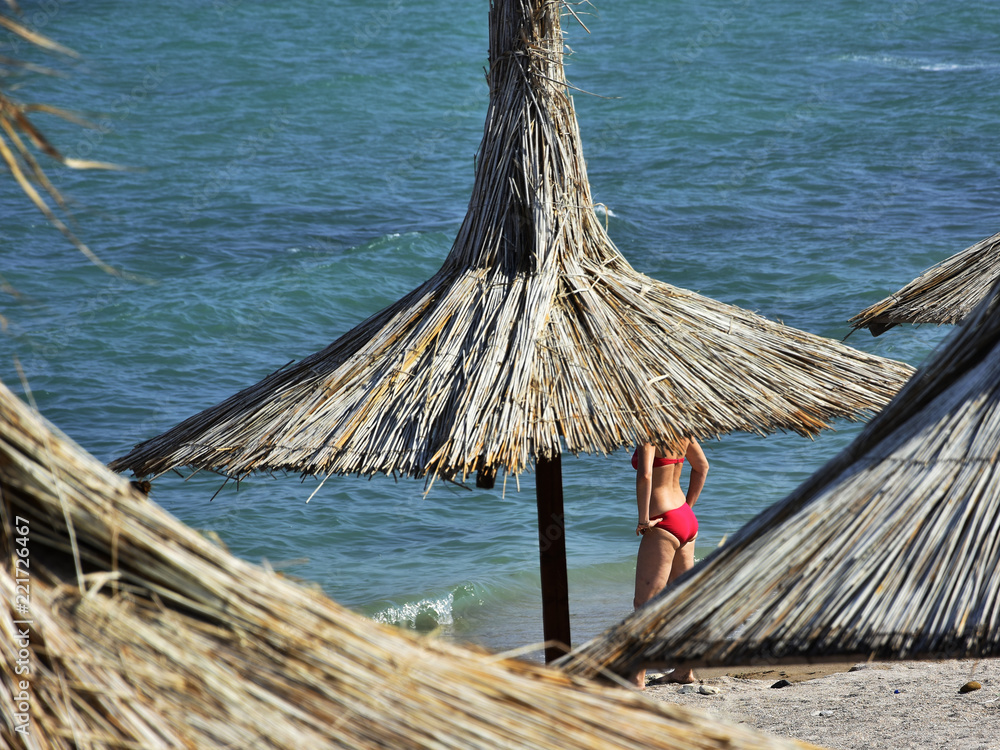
(295, 167)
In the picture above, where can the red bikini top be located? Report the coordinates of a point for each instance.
(656, 461)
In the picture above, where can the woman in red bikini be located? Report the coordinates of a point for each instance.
(667, 523)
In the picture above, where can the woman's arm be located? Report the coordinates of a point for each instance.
(644, 484)
(699, 470)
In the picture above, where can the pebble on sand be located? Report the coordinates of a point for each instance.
(703, 689)
(969, 687)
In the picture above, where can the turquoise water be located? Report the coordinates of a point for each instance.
(296, 168)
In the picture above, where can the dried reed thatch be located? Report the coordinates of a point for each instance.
(18, 134)
(534, 329)
(944, 293)
(891, 550)
(136, 632)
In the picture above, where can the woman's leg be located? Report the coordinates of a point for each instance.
(682, 562)
(654, 564)
(653, 567)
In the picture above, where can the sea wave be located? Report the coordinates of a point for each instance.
(911, 63)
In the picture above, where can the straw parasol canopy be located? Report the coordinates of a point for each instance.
(534, 337)
(890, 551)
(126, 629)
(944, 293)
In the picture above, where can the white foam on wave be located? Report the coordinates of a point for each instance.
(959, 66)
(415, 614)
(909, 63)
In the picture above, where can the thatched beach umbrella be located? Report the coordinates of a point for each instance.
(944, 293)
(123, 628)
(535, 337)
(890, 551)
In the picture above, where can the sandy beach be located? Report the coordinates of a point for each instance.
(850, 706)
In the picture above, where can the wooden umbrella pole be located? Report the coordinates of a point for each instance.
(552, 556)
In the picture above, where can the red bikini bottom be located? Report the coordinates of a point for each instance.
(681, 522)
